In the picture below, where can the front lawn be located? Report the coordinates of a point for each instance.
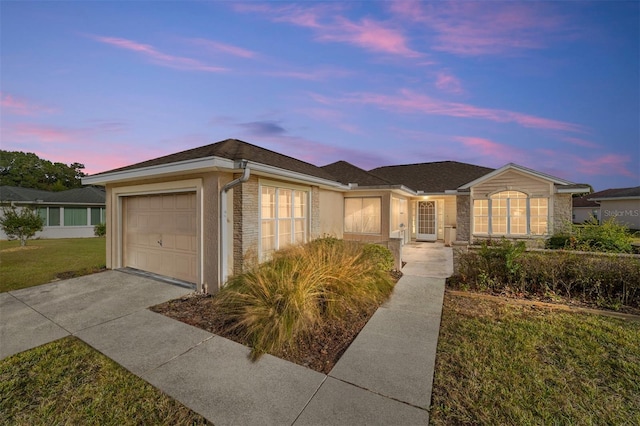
(502, 363)
(67, 382)
(42, 261)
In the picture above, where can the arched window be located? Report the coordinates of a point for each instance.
(511, 213)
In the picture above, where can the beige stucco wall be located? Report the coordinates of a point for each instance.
(583, 214)
(207, 187)
(330, 213)
(625, 212)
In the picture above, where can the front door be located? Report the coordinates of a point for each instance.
(427, 221)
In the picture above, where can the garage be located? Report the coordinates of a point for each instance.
(160, 234)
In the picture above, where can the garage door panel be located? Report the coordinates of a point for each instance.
(160, 235)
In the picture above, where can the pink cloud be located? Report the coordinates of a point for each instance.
(224, 48)
(580, 142)
(19, 106)
(45, 133)
(481, 28)
(327, 23)
(370, 35)
(448, 82)
(607, 165)
(171, 61)
(313, 75)
(332, 117)
(490, 149)
(409, 101)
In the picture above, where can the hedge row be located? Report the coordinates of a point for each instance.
(608, 280)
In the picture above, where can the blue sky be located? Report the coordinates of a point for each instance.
(554, 86)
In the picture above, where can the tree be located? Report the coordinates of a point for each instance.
(22, 224)
(27, 170)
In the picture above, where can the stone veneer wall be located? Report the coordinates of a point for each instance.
(246, 225)
(562, 212)
(314, 226)
(463, 218)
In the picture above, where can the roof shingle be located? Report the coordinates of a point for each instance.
(234, 149)
(435, 177)
(346, 173)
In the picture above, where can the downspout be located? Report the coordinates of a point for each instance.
(243, 164)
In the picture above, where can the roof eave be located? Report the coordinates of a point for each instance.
(574, 190)
(632, 197)
(278, 173)
(179, 167)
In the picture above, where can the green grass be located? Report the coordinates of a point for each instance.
(500, 363)
(41, 261)
(66, 382)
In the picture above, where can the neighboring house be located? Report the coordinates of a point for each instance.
(620, 204)
(67, 214)
(205, 213)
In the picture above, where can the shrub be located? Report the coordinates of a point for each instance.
(610, 236)
(380, 256)
(301, 288)
(605, 280)
(21, 224)
(100, 230)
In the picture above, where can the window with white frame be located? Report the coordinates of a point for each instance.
(511, 213)
(362, 215)
(283, 218)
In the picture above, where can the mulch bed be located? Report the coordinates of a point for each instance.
(319, 351)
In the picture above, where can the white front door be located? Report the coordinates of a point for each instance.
(427, 217)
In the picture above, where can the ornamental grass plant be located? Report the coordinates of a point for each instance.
(300, 288)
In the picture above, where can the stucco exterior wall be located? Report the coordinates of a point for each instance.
(583, 214)
(625, 212)
(331, 213)
(206, 185)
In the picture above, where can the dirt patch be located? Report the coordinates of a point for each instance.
(19, 248)
(319, 351)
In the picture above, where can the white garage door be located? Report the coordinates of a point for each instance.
(161, 234)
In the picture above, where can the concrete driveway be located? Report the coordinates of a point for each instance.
(37, 315)
(384, 377)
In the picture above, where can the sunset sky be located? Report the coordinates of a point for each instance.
(553, 86)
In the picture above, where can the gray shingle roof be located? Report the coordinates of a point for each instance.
(346, 173)
(233, 149)
(14, 193)
(435, 177)
(616, 193)
(84, 195)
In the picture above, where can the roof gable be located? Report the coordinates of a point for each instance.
(436, 177)
(512, 166)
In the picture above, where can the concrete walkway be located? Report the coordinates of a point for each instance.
(384, 377)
